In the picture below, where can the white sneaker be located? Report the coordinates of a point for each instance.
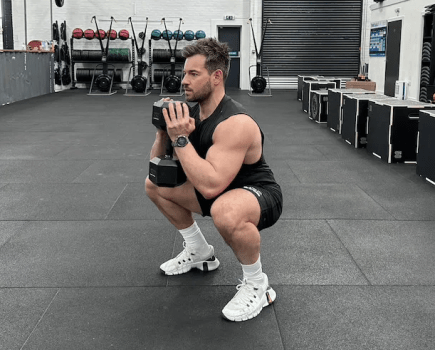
(187, 260)
(249, 300)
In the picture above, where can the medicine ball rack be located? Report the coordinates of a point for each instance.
(84, 75)
(139, 83)
(259, 83)
(159, 59)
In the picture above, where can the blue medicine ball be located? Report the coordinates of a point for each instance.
(189, 35)
(156, 34)
(200, 34)
(167, 35)
(178, 35)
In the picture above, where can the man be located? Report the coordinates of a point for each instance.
(221, 152)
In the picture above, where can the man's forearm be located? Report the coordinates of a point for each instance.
(159, 146)
(200, 172)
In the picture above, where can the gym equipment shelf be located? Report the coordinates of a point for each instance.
(160, 63)
(427, 75)
(74, 81)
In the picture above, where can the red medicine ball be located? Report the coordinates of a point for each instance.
(113, 34)
(123, 34)
(101, 34)
(77, 33)
(89, 34)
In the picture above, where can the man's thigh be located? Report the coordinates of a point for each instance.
(183, 195)
(239, 203)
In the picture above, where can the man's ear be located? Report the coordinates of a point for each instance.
(218, 76)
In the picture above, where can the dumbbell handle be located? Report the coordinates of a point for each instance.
(169, 147)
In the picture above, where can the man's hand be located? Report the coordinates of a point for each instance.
(178, 120)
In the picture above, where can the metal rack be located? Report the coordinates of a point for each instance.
(73, 63)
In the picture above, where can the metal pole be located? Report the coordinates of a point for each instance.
(25, 24)
(51, 19)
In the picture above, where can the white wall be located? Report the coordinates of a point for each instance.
(411, 14)
(365, 31)
(206, 15)
(1, 28)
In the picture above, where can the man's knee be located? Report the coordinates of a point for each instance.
(225, 219)
(151, 189)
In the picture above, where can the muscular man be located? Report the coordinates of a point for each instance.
(221, 152)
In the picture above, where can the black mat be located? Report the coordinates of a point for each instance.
(351, 258)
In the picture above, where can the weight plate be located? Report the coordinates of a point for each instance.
(139, 83)
(258, 84)
(172, 83)
(103, 82)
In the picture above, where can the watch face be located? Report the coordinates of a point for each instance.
(182, 141)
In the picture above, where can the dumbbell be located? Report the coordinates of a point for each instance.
(165, 170)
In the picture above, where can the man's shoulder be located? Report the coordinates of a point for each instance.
(232, 107)
(237, 124)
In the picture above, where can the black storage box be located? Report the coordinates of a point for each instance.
(426, 146)
(319, 105)
(309, 86)
(301, 79)
(393, 128)
(354, 117)
(335, 103)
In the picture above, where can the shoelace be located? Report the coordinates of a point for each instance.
(184, 255)
(246, 293)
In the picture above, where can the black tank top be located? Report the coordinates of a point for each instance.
(202, 139)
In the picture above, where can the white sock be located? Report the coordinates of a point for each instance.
(253, 272)
(194, 238)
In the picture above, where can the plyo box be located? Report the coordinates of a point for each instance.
(393, 128)
(319, 105)
(426, 146)
(335, 103)
(309, 86)
(301, 79)
(354, 117)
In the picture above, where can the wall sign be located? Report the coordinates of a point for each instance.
(378, 39)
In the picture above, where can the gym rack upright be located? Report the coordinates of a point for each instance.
(258, 84)
(139, 83)
(172, 83)
(103, 81)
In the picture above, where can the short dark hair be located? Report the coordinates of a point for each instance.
(216, 54)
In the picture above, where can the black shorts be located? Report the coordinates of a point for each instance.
(269, 197)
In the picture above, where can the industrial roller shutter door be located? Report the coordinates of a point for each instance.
(311, 38)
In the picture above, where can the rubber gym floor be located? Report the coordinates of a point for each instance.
(351, 258)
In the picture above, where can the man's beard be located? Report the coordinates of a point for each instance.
(201, 95)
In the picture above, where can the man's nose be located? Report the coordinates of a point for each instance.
(185, 80)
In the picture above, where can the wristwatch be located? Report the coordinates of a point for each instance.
(180, 141)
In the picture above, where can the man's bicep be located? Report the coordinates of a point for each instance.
(223, 158)
(226, 157)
